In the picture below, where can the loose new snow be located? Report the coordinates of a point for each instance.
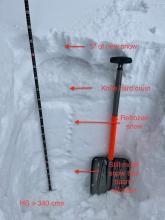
(71, 146)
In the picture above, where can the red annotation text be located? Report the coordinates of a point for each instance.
(102, 46)
(136, 118)
(27, 203)
(119, 177)
(125, 88)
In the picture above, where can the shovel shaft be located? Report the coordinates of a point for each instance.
(112, 138)
(114, 119)
(117, 91)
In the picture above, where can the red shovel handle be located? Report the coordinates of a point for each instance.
(112, 137)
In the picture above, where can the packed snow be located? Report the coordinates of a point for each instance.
(71, 146)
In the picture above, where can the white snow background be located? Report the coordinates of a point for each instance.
(22, 168)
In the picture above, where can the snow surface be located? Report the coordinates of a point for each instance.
(22, 169)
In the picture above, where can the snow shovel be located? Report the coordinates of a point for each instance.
(111, 173)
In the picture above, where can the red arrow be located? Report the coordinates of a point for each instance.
(85, 171)
(94, 122)
(67, 46)
(80, 88)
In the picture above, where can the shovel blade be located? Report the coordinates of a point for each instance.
(109, 175)
(99, 176)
